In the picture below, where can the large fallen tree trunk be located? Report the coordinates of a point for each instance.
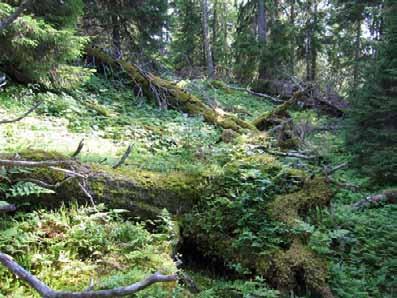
(141, 192)
(168, 94)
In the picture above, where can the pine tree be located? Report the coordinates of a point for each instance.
(373, 132)
(33, 46)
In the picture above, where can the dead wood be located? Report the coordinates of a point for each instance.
(45, 291)
(168, 94)
(31, 110)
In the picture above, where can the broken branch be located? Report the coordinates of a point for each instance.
(46, 291)
(79, 148)
(31, 110)
(123, 158)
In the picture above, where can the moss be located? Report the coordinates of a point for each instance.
(299, 268)
(217, 84)
(288, 208)
(176, 97)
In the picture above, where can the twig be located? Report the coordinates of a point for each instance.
(31, 110)
(123, 158)
(47, 292)
(86, 192)
(68, 172)
(79, 148)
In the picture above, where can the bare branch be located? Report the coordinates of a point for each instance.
(46, 185)
(31, 110)
(17, 13)
(287, 154)
(123, 158)
(47, 292)
(83, 187)
(273, 99)
(79, 148)
(33, 164)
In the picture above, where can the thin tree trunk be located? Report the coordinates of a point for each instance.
(116, 37)
(357, 52)
(292, 23)
(207, 47)
(262, 28)
(215, 32)
(313, 54)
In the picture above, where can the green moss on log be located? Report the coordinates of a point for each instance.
(176, 97)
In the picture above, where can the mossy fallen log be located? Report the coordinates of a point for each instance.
(141, 192)
(277, 115)
(207, 217)
(166, 93)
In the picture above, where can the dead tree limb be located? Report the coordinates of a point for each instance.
(31, 110)
(7, 21)
(263, 95)
(6, 207)
(79, 148)
(123, 158)
(34, 164)
(167, 93)
(47, 292)
(387, 197)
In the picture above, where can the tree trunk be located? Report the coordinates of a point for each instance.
(262, 28)
(313, 54)
(116, 37)
(357, 52)
(167, 93)
(207, 47)
(292, 23)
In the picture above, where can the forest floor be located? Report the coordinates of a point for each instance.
(67, 248)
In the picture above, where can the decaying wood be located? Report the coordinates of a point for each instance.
(31, 110)
(79, 148)
(168, 94)
(387, 197)
(123, 158)
(277, 115)
(6, 207)
(45, 291)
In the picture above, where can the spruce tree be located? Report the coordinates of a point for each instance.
(373, 116)
(33, 46)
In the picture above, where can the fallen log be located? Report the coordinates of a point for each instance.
(168, 94)
(277, 115)
(143, 193)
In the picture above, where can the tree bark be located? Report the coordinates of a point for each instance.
(357, 53)
(207, 46)
(262, 29)
(116, 37)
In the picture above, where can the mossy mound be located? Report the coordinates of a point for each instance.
(291, 207)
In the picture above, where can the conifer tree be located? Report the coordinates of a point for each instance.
(373, 131)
